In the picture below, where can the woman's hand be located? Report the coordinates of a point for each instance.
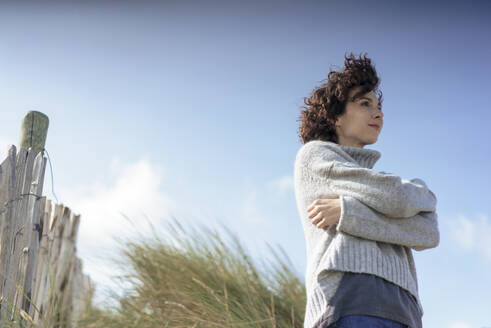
(325, 211)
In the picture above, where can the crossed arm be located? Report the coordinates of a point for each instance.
(385, 192)
(379, 206)
(418, 232)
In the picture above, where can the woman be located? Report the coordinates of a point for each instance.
(360, 225)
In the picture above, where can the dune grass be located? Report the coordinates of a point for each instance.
(194, 278)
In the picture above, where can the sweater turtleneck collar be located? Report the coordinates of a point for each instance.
(363, 156)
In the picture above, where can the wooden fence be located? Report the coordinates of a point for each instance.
(42, 283)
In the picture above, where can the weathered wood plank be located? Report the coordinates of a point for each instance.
(8, 186)
(18, 255)
(41, 268)
(50, 300)
(33, 226)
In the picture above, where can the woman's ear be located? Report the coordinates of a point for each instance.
(337, 123)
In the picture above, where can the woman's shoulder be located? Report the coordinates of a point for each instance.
(327, 150)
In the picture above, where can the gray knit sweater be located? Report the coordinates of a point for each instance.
(382, 218)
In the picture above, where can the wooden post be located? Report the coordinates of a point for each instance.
(33, 132)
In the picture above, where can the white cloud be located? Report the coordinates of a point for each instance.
(263, 202)
(265, 212)
(459, 324)
(251, 209)
(135, 191)
(282, 185)
(269, 216)
(464, 232)
(472, 234)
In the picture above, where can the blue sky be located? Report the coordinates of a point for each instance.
(190, 109)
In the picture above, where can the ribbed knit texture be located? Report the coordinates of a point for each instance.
(382, 218)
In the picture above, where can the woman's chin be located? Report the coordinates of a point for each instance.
(371, 141)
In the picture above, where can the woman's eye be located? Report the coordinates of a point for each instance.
(366, 103)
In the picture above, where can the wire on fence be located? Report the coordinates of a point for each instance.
(6, 204)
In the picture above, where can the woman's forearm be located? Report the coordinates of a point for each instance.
(418, 232)
(385, 192)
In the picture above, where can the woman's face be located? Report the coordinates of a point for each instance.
(354, 126)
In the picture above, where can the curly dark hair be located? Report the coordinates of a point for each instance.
(328, 101)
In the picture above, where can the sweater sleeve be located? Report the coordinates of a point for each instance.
(385, 192)
(418, 232)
